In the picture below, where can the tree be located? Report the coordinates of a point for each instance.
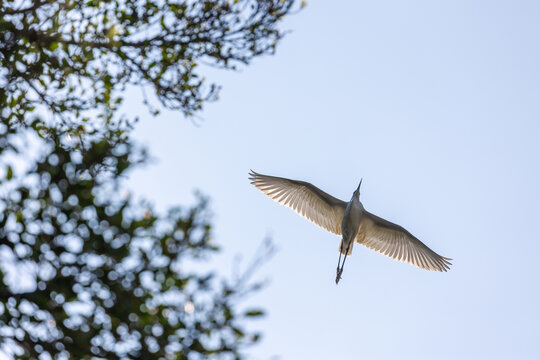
(78, 56)
(105, 277)
(84, 272)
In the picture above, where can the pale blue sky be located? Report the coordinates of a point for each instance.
(436, 104)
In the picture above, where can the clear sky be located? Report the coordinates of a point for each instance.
(436, 104)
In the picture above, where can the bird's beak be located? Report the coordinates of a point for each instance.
(358, 189)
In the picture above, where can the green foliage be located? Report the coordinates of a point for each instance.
(75, 57)
(105, 278)
(86, 273)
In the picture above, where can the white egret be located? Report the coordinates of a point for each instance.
(351, 221)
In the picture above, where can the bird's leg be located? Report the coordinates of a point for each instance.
(338, 273)
(339, 270)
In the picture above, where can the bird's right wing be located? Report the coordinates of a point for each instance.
(307, 200)
(397, 243)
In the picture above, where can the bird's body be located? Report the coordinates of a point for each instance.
(350, 225)
(351, 221)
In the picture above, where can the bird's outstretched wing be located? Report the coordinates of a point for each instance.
(307, 200)
(397, 243)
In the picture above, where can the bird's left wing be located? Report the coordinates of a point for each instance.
(307, 200)
(397, 243)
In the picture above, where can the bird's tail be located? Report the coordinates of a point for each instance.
(343, 247)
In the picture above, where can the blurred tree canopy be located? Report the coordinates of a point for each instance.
(85, 272)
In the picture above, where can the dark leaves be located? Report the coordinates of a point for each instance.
(254, 313)
(85, 272)
(59, 51)
(94, 274)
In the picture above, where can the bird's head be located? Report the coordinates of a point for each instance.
(357, 191)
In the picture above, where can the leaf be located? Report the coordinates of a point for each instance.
(254, 313)
(238, 332)
(9, 174)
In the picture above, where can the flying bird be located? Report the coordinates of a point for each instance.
(351, 221)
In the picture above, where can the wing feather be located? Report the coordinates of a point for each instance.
(307, 200)
(397, 243)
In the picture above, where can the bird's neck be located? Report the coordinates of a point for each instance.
(355, 204)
